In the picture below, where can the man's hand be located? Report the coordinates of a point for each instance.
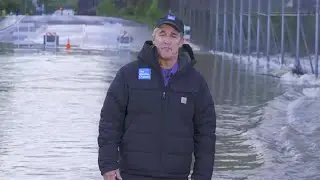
(112, 175)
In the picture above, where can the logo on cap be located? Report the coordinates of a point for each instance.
(171, 17)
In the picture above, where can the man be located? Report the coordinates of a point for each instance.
(158, 111)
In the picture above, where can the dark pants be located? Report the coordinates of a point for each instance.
(135, 177)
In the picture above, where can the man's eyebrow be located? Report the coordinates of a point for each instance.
(174, 33)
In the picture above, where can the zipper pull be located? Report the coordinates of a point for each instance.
(163, 95)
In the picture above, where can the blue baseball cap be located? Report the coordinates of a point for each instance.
(173, 21)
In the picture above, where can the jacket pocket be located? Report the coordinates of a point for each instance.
(181, 109)
(178, 164)
(142, 111)
(144, 100)
(183, 101)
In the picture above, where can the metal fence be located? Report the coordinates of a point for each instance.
(285, 32)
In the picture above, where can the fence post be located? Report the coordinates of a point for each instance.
(233, 26)
(317, 39)
(224, 25)
(258, 30)
(282, 31)
(190, 16)
(241, 29)
(268, 32)
(249, 29)
(298, 65)
(217, 27)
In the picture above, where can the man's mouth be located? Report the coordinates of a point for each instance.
(166, 49)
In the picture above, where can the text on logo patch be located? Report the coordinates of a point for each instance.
(144, 73)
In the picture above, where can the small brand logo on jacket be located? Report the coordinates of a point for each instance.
(144, 74)
(183, 100)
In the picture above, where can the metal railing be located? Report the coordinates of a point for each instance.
(284, 32)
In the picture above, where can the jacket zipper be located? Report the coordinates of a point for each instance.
(164, 106)
(164, 116)
(163, 95)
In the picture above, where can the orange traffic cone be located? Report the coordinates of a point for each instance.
(68, 46)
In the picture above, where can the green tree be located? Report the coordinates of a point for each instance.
(143, 11)
(107, 8)
(153, 11)
(141, 7)
(12, 5)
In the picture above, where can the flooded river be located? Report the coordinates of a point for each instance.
(50, 105)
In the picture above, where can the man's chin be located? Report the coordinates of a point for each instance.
(166, 56)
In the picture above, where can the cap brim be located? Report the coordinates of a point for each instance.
(171, 24)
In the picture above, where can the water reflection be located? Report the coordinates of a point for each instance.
(240, 94)
(231, 83)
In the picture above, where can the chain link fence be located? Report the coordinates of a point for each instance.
(282, 32)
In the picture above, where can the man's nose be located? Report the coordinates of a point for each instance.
(167, 40)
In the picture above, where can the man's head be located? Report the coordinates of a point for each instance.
(168, 36)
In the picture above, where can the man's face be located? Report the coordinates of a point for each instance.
(167, 40)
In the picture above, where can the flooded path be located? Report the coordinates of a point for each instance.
(50, 105)
(49, 111)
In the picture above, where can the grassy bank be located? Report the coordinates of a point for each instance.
(142, 11)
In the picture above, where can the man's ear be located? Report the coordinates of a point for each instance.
(181, 41)
(153, 38)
